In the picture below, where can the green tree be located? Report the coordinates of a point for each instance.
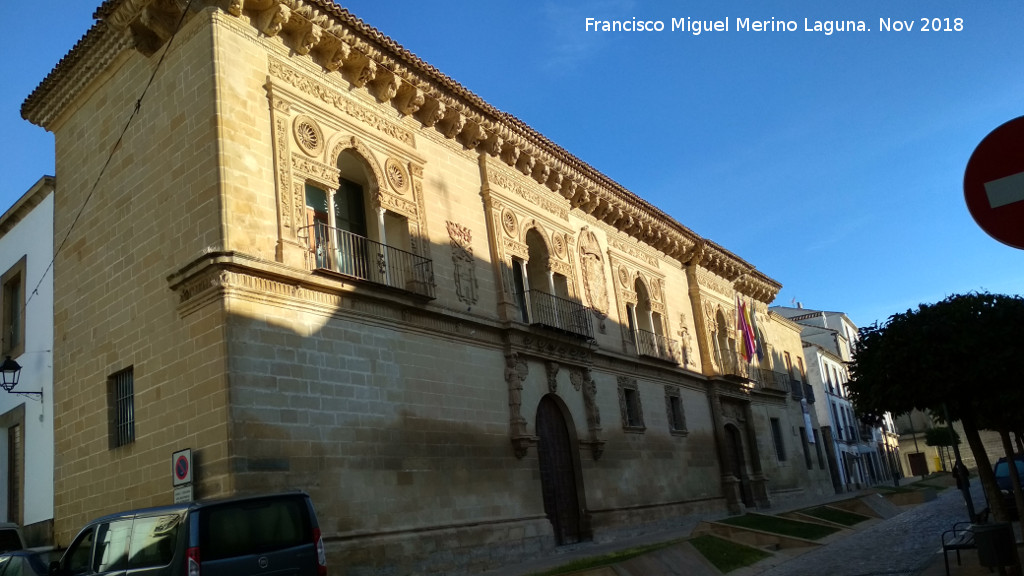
(957, 357)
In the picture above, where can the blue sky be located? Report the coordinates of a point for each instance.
(832, 163)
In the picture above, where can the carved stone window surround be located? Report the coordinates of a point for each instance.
(675, 428)
(627, 272)
(630, 405)
(319, 166)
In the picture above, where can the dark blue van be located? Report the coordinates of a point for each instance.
(269, 535)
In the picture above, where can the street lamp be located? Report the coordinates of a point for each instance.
(10, 373)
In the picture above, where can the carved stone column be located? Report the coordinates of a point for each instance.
(516, 371)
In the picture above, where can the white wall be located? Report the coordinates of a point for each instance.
(32, 237)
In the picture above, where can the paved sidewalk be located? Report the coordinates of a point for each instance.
(908, 544)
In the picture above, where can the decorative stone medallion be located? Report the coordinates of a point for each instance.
(623, 277)
(396, 175)
(558, 245)
(509, 222)
(308, 135)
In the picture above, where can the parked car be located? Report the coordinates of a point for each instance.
(249, 536)
(10, 537)
(27, 562)
(1002, 474)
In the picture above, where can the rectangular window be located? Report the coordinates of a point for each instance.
(807, 450)
(632, 408)
(789, 364)
(13, 310)
(780, 448)
(121, 394)
(817, 447)
(674, 408)
(629, 404)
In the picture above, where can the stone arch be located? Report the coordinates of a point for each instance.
(361, 151)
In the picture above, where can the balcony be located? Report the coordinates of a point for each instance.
(797, 388)
(764, 379)
(351, 255)
(771, 380)
(654, 346)
(559, 314)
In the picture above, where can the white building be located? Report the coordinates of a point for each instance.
(860, 455)
(26, 411)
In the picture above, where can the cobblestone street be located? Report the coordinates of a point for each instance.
(902, 545)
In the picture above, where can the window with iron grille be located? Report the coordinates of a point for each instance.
(121, 394)
(629, 404)
(674, 408)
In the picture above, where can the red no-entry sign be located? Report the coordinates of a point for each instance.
(994, 183)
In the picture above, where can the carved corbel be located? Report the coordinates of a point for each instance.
(452, 123)
(551, 368)
(554, 182)
(234, 7)
(540, 172)
(510, 153)
(271, 21)
(493, 145)
(385, 85)
(359, 69)
(525, 163)
(568, 189)
(603, 209)
(432, 111)
(580, 196)
(409, 99)
(332, 54)
(472, 135)
(155, 25)
(307, 37)
(617, 219)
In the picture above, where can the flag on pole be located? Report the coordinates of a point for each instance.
(758, 340)
(743, 323)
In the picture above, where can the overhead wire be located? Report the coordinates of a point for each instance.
(110, 156)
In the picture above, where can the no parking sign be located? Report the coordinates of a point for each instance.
(181, 476)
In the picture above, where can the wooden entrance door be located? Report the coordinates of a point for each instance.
(558, 472)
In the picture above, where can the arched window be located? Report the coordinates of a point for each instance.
(646, 325)
(543, 295)
(348, 236)
(724, 345)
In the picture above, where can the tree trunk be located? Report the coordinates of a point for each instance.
(1012, 466)
(1004, 435)
(985, 475)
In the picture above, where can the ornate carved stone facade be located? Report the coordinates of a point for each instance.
(346, 380)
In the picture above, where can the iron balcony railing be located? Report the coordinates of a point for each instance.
(772, 380)
(346, 253)
(763, 378)
(551, 311)
(654, 345)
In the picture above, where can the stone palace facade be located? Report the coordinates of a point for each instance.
(321, 264)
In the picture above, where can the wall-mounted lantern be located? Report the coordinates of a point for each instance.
(10, 373)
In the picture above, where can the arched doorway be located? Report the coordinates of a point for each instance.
(737, 463)
(558, 466)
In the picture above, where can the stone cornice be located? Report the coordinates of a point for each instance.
(342, 43)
